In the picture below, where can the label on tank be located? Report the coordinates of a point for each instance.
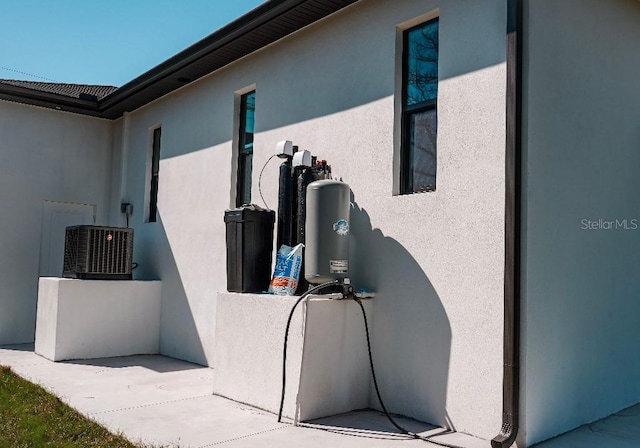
(338, 266)
(341, 227)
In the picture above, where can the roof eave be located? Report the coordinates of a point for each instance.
(49, 100)
(260, 27)
(253, 19)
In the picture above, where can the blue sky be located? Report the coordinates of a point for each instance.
(106, 42)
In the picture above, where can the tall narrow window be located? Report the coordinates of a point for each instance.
(419, 108)
(245, 151)
(155, 170)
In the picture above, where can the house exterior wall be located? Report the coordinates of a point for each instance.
(581, 154)
(435, 260)
(117, 187)
(46, 155)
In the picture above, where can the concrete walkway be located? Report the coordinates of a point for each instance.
(621, 430)
(164, 401)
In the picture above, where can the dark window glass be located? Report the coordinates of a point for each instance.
(419, 108)
(422, 142)
(155, 170)
(245, 151)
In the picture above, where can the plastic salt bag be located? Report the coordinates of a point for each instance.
(287, 270)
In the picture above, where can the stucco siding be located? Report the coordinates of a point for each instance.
(436, 260)
(46, 155)
(582, 153)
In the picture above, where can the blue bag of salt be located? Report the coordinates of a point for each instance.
(287, 270)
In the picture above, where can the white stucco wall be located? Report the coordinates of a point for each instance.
(248, 359)
(327, 362)
(46, 155)
(116, 189)
(435, 259)
(582, 153)
(86, 319)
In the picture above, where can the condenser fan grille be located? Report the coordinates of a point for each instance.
(98, 252)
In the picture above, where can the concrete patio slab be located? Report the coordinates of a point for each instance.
(115, 383)
(160, 400)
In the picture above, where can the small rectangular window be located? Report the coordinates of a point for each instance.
(155, 170)
(419, 108)
(245, 150)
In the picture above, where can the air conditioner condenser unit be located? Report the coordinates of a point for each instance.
(98, 253)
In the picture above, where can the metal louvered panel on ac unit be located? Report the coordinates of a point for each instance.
(96, 252)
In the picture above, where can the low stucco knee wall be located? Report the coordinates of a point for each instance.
(84, 319)
(327, 362)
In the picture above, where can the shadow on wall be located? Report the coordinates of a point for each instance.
(179, 337)
(354, 64)
(334, 66)
(411, 334)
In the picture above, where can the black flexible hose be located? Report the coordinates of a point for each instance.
(286, 338)
(375, 384)
(373, 371)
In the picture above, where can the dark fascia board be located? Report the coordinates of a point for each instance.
(224, 35)
(136, 93)
(49, 100)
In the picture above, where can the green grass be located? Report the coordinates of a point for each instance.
(30, 417)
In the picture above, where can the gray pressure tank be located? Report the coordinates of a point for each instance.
(327, 231)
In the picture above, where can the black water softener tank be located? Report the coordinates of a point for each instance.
(327, 231)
